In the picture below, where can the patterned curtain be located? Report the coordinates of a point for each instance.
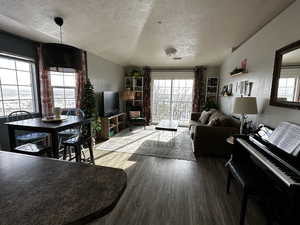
(147, 93)
(45, 86)
(199, 89)
(81, 76)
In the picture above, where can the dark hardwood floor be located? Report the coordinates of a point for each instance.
(174, 192)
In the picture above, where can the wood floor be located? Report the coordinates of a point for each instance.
(174, 192)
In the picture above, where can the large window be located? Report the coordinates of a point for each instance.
(286, 89)
(63, 86)
(172, 99)
(16, 86)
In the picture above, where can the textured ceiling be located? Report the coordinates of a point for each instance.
(127, 31)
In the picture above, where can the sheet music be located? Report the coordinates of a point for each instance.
(287, 137)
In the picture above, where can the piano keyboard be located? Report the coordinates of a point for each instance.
(287, 175)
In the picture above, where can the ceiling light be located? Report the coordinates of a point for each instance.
(58, 55)
(171, 52)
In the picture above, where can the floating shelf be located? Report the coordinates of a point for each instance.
(238, 74)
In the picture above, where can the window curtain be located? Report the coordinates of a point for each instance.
(45, 86)
(81, 77)
(199, 89)
(147, 93)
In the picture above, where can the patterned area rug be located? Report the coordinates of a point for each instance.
(151, 142)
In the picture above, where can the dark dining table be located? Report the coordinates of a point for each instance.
(53, 128)
(43, 191)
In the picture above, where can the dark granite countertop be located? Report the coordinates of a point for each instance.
(42, 191)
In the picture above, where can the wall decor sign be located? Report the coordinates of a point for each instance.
(244, 88)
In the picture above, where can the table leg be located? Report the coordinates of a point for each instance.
(54, 144)
(12, 138)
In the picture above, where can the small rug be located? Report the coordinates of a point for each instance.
(151, 142)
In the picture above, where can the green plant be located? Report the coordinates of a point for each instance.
(88, 106)
(88, 100)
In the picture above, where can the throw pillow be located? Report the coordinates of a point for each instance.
(204, 117)
(134, 114)
(214, 122)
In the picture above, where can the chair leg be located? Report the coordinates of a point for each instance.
(90, 145)
(78, 153)
(65, 152)
(229, 177)
(243, 207)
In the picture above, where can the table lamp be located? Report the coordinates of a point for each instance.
(243, 106)
(128, 95)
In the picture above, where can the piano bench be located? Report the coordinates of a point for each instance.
(250, 182)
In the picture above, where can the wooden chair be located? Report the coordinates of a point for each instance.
(29, 142)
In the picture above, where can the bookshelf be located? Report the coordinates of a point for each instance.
(212, 87)
(135, 84)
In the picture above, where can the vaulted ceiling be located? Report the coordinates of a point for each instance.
(137, 31)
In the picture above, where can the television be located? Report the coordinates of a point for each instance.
(108, 103)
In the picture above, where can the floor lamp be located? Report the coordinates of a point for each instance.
(243, 106)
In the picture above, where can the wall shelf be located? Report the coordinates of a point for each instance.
(238, 74)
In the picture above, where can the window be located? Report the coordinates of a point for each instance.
(172, 99)
(286, 88)
(16, 86)
(63, 86)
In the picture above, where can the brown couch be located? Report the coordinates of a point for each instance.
(209, 137)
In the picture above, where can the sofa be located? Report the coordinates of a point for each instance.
(209, 131)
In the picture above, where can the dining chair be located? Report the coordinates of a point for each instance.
(77, 141)
(34, 143)
(64, 135)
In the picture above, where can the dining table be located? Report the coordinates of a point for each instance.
(45, 191)
(53, 128)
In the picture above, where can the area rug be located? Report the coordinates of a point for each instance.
(151, 142)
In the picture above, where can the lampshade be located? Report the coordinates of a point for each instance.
(60, 55)
(128, 95)
(245, 105)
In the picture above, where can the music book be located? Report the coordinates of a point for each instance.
(287, 137)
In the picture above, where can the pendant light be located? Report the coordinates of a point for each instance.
(59, 55)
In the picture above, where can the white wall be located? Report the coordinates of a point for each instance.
(104, 75)
(260, 52)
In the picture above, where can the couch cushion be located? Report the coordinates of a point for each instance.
(214, 122)
(204, 117)
(194, 123)
(215, 114)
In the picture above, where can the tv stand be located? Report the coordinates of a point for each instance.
(112, 125)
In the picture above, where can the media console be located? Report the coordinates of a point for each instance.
(112, 125)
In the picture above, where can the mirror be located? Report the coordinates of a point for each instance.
(286, 77)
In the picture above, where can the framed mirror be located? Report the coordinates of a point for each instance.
(286, 77)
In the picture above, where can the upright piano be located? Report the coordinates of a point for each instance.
(278, 159)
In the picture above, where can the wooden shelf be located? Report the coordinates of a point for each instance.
(238, 74)
(114, 123)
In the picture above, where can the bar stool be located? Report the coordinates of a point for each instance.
(252, 183)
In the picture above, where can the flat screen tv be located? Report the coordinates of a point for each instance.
(108, 103)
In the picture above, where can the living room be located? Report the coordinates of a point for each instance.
(124, 112)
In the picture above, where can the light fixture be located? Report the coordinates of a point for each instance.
(243, 106)
(128, 95)
(171, 52)
(58, 55)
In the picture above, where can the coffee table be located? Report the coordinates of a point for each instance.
(167, 125)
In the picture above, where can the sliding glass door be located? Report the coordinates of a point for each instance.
(172, 100)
